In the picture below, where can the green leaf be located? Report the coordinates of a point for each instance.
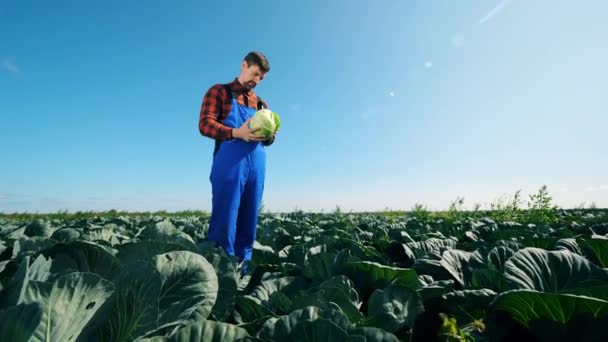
(369, 276)
(329, 299)
(551, 271)
(335, 291)
(158, 230)
(26, 246)
(108, 234)
(254, 326)
(526, 306)
(545, 243)
(320, 266)
(279, 329)
(436, 245)
(38, 228)
(435, 289)
(15, 289)
(135, 303)
(66, 235)
(358, 249)
(430, 264)
(153, 339)
(19, 322)
(248, 309)
(189, 286)
(68, 304)
(393, 308)
(498, 256)
(208, 331)
(343, 284)
(144, 250)
(320, 330)
(569, 244)
(597, 250)
(280, 303)
(488, 278)
(290, 286)
(372, 334)
(458, 264)
(264, 254)
(400, 254)
(83, 256)
(294, 254)
(468, 305)
(600, 292)
(165, 231)
(228, 279)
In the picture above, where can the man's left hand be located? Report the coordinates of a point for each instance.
(270, 140)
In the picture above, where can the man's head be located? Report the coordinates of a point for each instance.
(254, 68)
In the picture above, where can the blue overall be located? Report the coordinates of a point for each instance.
(237, 181)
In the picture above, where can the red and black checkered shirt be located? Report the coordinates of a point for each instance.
(216, 106)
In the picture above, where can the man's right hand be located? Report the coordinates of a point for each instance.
(246, 133)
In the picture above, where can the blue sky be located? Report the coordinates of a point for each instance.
(384, 104)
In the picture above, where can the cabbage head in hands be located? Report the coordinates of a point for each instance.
(267, 121)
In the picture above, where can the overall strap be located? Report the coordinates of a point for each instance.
(230, 96)
(260, 103)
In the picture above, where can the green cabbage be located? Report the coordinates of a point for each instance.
(267, 121)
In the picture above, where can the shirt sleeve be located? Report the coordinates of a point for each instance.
(211, 111)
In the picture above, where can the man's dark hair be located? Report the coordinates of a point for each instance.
(257, 58)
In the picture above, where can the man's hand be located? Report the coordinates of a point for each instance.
(246, 133)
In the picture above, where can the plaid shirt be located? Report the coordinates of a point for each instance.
(216, 106)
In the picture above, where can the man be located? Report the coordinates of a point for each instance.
(239, 158)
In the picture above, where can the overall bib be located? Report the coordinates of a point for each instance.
(237, 181)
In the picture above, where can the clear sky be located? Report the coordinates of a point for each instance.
(384, 104)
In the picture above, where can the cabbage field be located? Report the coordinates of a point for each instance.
(416, 276)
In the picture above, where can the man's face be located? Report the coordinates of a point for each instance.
(251, 76)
